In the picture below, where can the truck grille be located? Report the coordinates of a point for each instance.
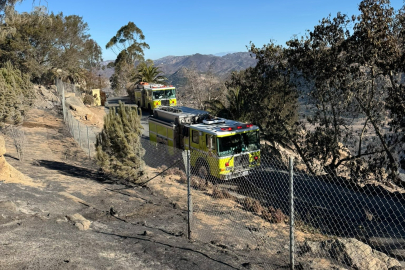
(241, 162)
(165, 102)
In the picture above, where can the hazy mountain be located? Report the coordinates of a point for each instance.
(106, 72)
(173, 66)
(221, 66)
(222, 53)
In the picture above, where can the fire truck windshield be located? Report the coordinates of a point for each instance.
(241, 142)
(162, 94)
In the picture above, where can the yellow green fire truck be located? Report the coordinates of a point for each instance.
(152, 96)
(219, 147)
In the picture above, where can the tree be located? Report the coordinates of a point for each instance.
(232, 108)
(4, 4)
(16, 94)
(353, 76)
(320, 60)
(43, 43)
(128, 44)
(264, 95)
(147, 72)
(202, 87)
(119, 149)
(396, 93)
(370, 48)
(273, 96)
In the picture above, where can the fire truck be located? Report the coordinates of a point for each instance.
(219, 148)
(151, 96)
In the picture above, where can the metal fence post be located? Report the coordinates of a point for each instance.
(73, 126)
(78, 127)
(63, 99)
(68, 122)
(292, 246)
(189, 199)
(88, 141)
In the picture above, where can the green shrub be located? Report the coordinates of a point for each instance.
(16, 94)
(88, 99)
(119, 149)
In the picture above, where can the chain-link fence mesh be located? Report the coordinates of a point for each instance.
(362, 222)
(340, 221)
(84, 135)
(246, 213)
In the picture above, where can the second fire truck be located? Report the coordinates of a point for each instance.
(152, 96)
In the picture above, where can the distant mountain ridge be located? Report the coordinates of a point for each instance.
(222, 66)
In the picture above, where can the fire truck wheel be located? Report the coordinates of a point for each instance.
(203, 170)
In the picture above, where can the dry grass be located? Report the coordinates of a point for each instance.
(173, 171)
(252, 205)
(19, 141)
(274, 216)
(221, 194)
(200, 184)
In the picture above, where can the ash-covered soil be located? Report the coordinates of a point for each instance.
(66, 215)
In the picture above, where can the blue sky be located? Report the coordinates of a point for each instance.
(177, 27)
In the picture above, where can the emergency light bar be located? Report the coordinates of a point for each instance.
(226, 128)
(237, 127)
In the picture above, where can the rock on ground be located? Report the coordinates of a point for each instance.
(46, 98)
(350, 252)
(77, 105)
(7, 207)
(80, 222)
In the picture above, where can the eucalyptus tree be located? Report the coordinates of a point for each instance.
(129, 45)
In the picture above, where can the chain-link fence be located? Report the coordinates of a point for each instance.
(71, 88)
(337, 221)
(84, 135)
(274, 213)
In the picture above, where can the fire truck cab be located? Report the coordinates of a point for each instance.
(152, 96)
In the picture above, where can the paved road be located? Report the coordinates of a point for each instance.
(332, 206)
